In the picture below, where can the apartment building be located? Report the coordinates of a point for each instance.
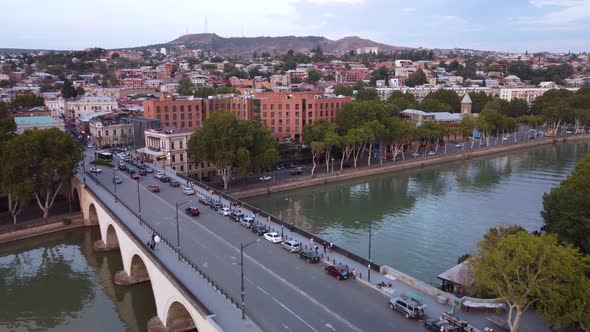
(528, 94)
(175, 113)
(109, 130)
(78, 107)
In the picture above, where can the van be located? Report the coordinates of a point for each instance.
(408, 306)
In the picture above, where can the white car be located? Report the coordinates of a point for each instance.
(188, 190)
(505, 138)
(431, 153)
(158, 175)
(247, 222)
(415, 154)
(95, 170)
(224, 211)
(90, 145)
(265, 178)
(569, 132)
(459, 146)
(273, 237)
(292, 245)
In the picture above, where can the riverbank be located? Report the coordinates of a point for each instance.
(53, 224)
(365, 171)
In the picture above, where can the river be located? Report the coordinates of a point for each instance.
(422, 220)
(57, 282)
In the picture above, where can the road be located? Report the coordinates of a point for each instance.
(282, 291)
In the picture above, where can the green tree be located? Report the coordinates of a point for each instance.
(402, 100)
(314, 136)
(43, 161)
(313, 76)
(367, 95)
(115, 56)
(342, 90)
(417, 78)
(478, 101)
(185, 87)
(228, 142)
(448, 97)
(378, 74)
(68, 90)
(27, 100)
(525, 270)
(566, 208)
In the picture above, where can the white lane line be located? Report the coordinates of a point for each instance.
(269, 271)
(262, 290)
(294, 314)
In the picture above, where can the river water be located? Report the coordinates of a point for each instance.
(422, 220)
(57, 282)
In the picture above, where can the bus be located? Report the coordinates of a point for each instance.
(103, 155)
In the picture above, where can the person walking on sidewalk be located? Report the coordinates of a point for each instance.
(316, 248)
(325, 245)
(156, 240)
(353, 273)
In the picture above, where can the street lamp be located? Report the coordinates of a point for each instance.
(139, 201)
(370, 262)
(168, 157)
(242, 247)
(178, 228)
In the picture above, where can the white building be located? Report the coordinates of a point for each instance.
(167, 147)
(78, 107)
(528, 94)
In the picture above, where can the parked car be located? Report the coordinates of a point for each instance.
(215, 205)
(408, 306)
(292, 245)
(247, 222)
(149, 169)
(437, 325)
(122, 167)
(117, 180)
(142, 172)
(135, 176)
(130, 170)
(90, 145)
(415, 154)
(259, 229)
(459, 145)
(237, 216)
(188, 191)
(154, 188)
(192, 211)
(174, 183)
(165, 179)
(337, 271)
(297, 171)
(273, 237)
(158, 175)
(265, 178)
(310, 256)
(205, 179)
(224, 211)
(431, 153)
(95, 170)
(205, 201)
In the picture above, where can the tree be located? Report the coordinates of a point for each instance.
(367, 95)
(525, 270)
(27, 100)
(417, 78)
(115, 56)
(313, 76)
(478, 101)
(468, 124)
(185, 87)
(402, 100)
(341, 90)
(68, 90)
(378, 74)
(448, 97)
(566, 209)
(314, 137)
(80, 91)
(228, 142)
(42, 161)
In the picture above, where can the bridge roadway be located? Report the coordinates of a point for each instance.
(282, 291)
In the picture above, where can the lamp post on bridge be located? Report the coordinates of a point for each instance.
(370, 262)
(242, 247)
(139, 201)
(178, 228)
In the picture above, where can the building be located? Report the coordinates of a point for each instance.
(78, 107)
(528, 94)
(140, 124)
(109, 130)
(466, 105)
(167, 147)
(37, 122)
(176, 113)
(418, 117)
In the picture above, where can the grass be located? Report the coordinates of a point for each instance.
(102, 162)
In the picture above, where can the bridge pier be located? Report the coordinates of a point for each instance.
(101, 246)
(178, 324)
(123, 279)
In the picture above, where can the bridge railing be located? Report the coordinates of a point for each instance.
(194, 266)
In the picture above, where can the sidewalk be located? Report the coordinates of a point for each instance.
(531, 321)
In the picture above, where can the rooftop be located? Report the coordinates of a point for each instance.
(34, 120)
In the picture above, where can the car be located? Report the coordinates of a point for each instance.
(148, 169)
(259, 229)
(459, 145)
(158, 175)
(142, 172)
(95, 170)
(165, 179)
(569, 132)
(130, 170)
(117, 180)
(174, 183)
(265, 178)
(154, 188)
(122, 167)
(505, 138)
(297, 171)
(415, 154)
(407, 305)
(90, 145)
(247, 222)
(431, 153)
(215, 205)
(310, 256)
(437, 325)
(188, 191)
(135, 176)
(292, 245)
(224, 211)
(205, 201)
(338, 271)
(273, 237)
(237, 215)
(531, 137)
(192, 211)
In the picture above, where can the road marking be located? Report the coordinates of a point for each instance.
(269, 271)
(328, 325)
(294, 314)
(262, 290)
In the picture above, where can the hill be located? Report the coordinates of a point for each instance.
(249, 45)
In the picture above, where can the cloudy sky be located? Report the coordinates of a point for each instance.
(503, 25)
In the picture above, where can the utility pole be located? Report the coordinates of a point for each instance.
(370, 262)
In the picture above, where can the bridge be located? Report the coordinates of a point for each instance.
(195, 272)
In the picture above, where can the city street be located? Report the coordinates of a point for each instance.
(282, 291)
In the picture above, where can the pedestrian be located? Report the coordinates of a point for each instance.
(311, 241)
(331, 246)
(316, 248)
(325, 245)
(353, 272)
(156, 240)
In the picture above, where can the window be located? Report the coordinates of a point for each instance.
(180, 147)
(288, 107)
(181, 166)
(173, 158)
(182, 157)
(106, 133)
(321, 106)
(280, 114)
(296, 114)
(157, 109)
(175, 124)
(280, 129)
(272, 122)
(174, 116)
(264, 114)
(172, 145)
(287, 114)
(165, 109)
(190, 116)
(280, 122)
(189, 108)
(288, 122)
(272, 107)
(280, 107)
(264, 107)
(166, 117)
(181, 116)
(332, 105)
(309, 114)
(272, 114)
(190, 124)
(182, 108)
(181, 124)
(296, 106)
(310, 106)
(321, 113)
(114, 132)
(296, 121)
(173, 108)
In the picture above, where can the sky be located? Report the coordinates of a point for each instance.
(499, 25)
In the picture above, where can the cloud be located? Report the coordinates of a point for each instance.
(572, 15)
(561, 3)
